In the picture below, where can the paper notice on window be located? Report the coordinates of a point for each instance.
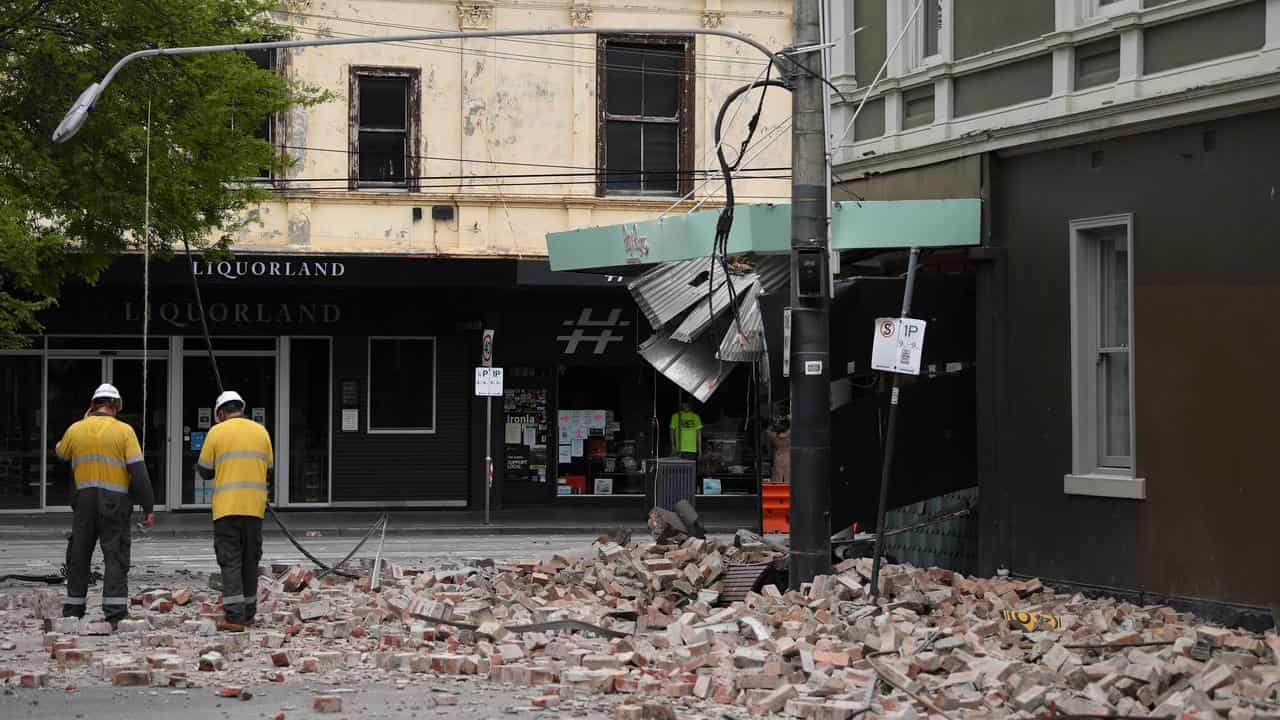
(350, 420)
(512, 435)
(530, 437)
(575, 448)
(596, 419)
(566, 455)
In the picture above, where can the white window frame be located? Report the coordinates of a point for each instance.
(913, 43)
(1090, 473)
(1095, 9)
(435, 387)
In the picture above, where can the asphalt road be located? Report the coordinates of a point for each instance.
(474, 701)
(165, 555)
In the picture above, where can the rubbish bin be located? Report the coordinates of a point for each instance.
(675, 479)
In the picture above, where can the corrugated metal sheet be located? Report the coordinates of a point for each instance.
(774, 272)
(693, 367)
(667, 290)
(745, 344)
(699, 318)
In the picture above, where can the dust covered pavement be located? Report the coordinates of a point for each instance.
(638, 631)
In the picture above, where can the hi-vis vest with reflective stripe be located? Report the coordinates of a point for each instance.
(239, 452)
(100, 448)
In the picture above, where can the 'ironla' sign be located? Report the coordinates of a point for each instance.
(236, 269)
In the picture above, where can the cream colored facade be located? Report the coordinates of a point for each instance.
(499, 107)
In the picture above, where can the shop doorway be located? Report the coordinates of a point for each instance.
(72, 378)
(252, 373)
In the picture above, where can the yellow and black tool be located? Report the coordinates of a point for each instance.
(1034, 621)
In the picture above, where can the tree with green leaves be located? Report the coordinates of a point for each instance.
(67, 210)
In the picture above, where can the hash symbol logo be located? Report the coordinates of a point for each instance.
(601, 340)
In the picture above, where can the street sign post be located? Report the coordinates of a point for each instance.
(488, 386)
(898, 345)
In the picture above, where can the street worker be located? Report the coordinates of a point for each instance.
(686, 431)
(237, 456)
(110, 476)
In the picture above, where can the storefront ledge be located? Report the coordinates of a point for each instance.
(1105, 485)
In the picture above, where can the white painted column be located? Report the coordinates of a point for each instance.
(1064, 71)
(892, 113)
(943, 100)
(1066, 14)
(947, 35)
(1272, 43)
(894, 19)
(1130, 65)
(841, 26)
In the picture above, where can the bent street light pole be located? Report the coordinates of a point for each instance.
(79, 112)
(810, 303)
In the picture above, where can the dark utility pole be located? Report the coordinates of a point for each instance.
(810, 356)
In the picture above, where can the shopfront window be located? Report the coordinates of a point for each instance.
(20, 431)
(604, 431)
(402, 385)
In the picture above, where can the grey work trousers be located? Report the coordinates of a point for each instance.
(237, 543)
(100, 517)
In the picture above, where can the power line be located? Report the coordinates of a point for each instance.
(594, 170)
(461, 180)
(711, 57)
(500, 55)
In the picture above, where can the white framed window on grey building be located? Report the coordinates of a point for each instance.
(1102, 418)
(402, 385)
(928, 39)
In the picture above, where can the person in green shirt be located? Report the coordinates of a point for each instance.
(686, 432)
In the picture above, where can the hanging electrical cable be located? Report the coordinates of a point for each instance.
(724, 224)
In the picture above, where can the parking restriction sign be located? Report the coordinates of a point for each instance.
(898, 345)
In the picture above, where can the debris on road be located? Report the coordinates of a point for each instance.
(640, 630)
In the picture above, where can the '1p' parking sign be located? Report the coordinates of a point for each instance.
(898, 345)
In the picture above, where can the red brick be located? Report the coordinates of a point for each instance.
(132, 678)
(327, 704)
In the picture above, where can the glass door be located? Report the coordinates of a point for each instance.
(309, 399)
(72, 381)
(254, 377)
(149, 422)
(20, 431)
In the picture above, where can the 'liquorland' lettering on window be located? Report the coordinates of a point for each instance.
(188, 314)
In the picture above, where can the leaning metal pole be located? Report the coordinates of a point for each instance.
(810, 307)
(891, 434)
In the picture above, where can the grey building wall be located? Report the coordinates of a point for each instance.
(870, 122)
(1204, 37)
(984, 25)
(871, 43)
(1205, 264)
(1004, 85)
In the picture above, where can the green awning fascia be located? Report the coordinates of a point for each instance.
(766, 229)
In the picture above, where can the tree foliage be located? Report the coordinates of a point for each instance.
(66, 210)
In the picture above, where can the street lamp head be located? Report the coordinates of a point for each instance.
(78, 114)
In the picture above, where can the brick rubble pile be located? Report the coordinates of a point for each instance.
(660, 644)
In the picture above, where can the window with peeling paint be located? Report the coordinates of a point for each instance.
(382, 121)
(644, 115)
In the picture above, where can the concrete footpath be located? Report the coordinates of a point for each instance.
(346, 523)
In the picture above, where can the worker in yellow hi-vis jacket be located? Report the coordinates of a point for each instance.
(237, 456)
(110, 476)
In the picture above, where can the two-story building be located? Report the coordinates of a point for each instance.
(412, 220)
(1126, 153)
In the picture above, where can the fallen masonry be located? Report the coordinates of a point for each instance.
(634, 629)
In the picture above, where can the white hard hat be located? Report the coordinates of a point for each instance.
(106, 390)
(226, 397)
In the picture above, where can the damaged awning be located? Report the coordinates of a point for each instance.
(766, 229)
(705, 320)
